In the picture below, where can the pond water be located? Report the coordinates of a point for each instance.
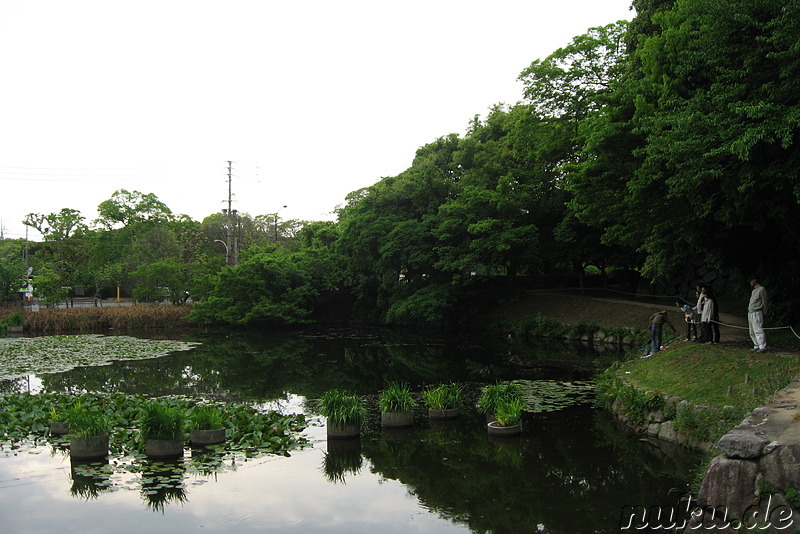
(572, 470)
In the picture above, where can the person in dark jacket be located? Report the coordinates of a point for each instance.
(657, 322)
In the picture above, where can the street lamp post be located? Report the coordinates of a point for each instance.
(224, 244)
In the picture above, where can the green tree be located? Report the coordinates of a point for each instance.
(268, 286)
(57, 226)
(160, 279)
(49, 287)
(126, 208)
(12, 269)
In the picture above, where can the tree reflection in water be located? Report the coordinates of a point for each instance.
(559, 473)
(162, 484)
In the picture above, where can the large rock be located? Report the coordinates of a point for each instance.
(781, 467)
(730, 483)
(742, 444)
(667, 432)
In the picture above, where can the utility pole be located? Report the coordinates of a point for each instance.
(228, 222)
(230, 213)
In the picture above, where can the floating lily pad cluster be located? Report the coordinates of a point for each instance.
(56, 354)
(552, 395)
(251, 433)
(25, 421)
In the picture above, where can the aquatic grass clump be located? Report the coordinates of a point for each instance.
(494, 394)
(396, 397)
(206, 417)
(508, 412)
(443, 396)
(342, 408)
(158, 420)
(87, 421)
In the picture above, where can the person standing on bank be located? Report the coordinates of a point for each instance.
(755, 314)
(713, 320)
(698, 309)
(657, 321)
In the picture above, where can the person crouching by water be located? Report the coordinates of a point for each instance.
(657, 321)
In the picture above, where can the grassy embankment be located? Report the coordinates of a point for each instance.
(728, 379)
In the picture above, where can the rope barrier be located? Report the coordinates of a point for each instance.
(765, 328)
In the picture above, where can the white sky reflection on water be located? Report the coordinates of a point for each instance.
(276, 494)
(273, 494)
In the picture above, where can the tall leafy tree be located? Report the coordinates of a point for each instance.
(268, 286)
(12, 269)
(57, 226)
(126, 208)
(573, 140)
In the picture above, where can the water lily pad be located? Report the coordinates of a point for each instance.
(55, 354)
(552, 395)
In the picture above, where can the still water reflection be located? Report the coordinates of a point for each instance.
(571, 471)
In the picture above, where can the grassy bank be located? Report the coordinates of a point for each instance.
(728, 379)
(714, 375)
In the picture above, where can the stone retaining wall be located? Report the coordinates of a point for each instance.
(754, 484)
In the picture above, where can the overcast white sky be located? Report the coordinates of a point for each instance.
(310, 99)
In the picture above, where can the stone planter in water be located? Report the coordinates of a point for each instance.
(397, 419)
(201, 438)
(164, 448)
(343, 431)
(449, 413)
(59, 428)
(88, 448)
(496, 429)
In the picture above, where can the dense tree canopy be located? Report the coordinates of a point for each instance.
(643, 147)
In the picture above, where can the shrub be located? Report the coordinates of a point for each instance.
(608, 384)
(546, 327)
(581, 328)
(640, 402)
(701, 423)
(15, 319)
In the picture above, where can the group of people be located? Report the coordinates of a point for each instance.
(704, 316)
(702, 320)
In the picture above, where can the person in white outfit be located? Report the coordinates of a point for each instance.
(755, 315)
